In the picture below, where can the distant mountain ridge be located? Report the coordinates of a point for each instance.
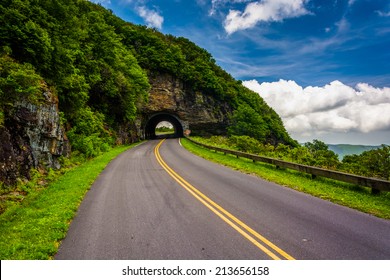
(347, 149)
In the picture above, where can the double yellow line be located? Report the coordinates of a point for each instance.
(257, 239)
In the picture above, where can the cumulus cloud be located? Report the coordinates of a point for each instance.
(152, 18)
(333, 108)
(265, 10)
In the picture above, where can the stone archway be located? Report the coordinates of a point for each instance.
(155, 119)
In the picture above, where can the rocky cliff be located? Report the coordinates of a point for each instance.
(202, 114)
(31, 136)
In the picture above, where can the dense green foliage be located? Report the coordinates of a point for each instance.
(197, 68)
(76, 51)
(373, 163)
(98, 66)
(17, 81)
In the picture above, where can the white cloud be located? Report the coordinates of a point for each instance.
(265, 10)
(343, 25)
(383, 14)
(333, 108)
(152, 18)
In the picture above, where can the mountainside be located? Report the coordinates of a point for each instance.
(346, 149)
(103, 72)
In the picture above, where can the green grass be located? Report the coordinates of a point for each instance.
(34, 228)
(349, 195)
(164, 131)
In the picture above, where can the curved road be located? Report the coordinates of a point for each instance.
(158, 201)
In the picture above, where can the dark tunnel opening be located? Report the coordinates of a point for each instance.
(150, 128)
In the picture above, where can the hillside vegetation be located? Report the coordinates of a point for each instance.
(73, 48)
(349, 195)
(371, 163)
(98, 65)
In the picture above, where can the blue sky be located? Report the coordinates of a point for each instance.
(289, 50)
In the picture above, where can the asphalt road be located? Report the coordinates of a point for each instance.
(166, 203)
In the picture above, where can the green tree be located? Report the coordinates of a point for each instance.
(321, 155)
(18, 81)
(246, 121)
(96, 61)
(373, 163)
(247, 144)
(89, 135)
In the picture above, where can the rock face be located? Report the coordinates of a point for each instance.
(31, 137)
(200, 113)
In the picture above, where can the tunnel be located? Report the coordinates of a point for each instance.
(150, 128)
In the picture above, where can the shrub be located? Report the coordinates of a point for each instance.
(246, 144)
(89, 135)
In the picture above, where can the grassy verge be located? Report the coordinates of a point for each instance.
(341, 193)
(34, 228)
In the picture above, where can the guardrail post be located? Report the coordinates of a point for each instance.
(376, 185)
(375, 191)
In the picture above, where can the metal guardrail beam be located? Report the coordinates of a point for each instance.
(375, 184)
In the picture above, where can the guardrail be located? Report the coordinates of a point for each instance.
(375, 184)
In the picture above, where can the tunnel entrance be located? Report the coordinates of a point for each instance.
(150, 128)
(164, 129)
